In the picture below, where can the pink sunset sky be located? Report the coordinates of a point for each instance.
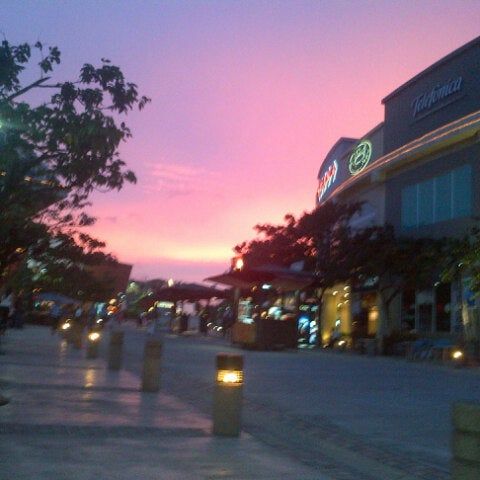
(247, 98)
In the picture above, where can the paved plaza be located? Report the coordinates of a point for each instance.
(70, 418)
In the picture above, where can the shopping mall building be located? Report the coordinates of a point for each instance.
(417, 171)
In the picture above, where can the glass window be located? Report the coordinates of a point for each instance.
(462, 191)
(443, 197)
(409, 206)
(439, 199)
(425, 202)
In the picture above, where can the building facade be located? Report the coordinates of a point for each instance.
(418, 171)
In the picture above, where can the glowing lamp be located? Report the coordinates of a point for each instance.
(229, 370)
(237, 263)
(230, 377)
(457, 355)
(66, 326)
(94, 336)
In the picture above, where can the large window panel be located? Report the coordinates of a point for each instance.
(409, 207)
(425, 202)
(443, 197)
(462, 191)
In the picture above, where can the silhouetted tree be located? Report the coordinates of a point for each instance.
(57, 147)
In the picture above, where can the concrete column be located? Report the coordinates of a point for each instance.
(151, 366)
(466, 441)
(227, 400)
(76, 335)
(92, 346)
(115, 351)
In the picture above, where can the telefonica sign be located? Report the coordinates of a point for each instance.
(427, 100)
(327, 179)
(360, 157)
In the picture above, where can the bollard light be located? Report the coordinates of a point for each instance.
(115, 350)
(228, 393)
(94, 336)
(230, 377)
(92, 344)
(151, 365)
(457, 354)
(458, 358)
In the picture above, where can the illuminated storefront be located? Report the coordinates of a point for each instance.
(419, 171)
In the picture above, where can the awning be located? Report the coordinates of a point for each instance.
(278, 277)
(189, 292)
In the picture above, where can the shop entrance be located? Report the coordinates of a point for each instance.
(365, 315)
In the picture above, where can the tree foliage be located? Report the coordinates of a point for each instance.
(59, 142)
(320, 238)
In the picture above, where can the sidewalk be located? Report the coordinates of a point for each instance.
(70, 418)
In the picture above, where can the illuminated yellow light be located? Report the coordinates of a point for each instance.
(239, 263)
(231, 377)
(457, 354)
(341, 343)
(66, 326)
(335, 292)
(94, 336)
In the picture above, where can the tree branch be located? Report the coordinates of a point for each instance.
(27, 88)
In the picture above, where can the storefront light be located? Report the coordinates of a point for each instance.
(334, 292)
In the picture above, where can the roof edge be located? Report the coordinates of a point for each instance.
(435, 65)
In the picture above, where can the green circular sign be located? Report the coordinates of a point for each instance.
(360, 157)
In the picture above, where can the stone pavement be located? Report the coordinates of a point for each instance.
(70, 418)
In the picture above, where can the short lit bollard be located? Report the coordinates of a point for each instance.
(93, 341)
(227, 400)
(66, 329)
(76, 333)
(115, 351)
(457, 357)
(466, 441)
(151, 366)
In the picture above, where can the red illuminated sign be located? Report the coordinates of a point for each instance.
(327, 179)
